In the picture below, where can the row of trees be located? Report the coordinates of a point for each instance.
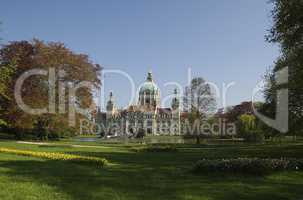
(17, 58)
(287, 31)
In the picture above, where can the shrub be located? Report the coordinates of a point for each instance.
(140, 134)
(56, 156)
(167, 148)
(254, 136)
(255, 166)
(248, 129)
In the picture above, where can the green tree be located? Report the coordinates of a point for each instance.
(248, 122)
(287, 31)
(6, 71)
(248, 128)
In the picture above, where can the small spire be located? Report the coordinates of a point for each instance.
(150, 76)
(111, 95)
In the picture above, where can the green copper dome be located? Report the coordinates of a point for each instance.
(149, 87)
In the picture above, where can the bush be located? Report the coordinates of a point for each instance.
(166, 148)
(56, 156)
(254, 136)
(248, 129)
(254, 166)
(140, 134)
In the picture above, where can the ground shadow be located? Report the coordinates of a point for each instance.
(139, 177)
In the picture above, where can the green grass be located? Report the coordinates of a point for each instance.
(143, 175)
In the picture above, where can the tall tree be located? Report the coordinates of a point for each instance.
(6, 72)
(24, 56)
(287, 31)
(199, 102)
(198, 97)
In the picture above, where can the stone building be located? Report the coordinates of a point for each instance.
(147, 115)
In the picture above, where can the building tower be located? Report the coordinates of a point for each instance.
(149, 93)
(175, 105)
(110, 106)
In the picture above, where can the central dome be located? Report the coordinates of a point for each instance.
(149, 93)
(149, 87)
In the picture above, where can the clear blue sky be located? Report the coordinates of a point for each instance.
(222, 41)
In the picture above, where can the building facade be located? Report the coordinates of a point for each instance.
(147, 115)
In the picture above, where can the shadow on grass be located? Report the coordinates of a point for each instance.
(139, 177)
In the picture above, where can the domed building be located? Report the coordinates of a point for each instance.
(147, 115)
(149, 93)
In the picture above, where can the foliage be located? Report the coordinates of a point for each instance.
(248, 122)
(199, 102)
(23, 56)
(233, 113)
(254, 136)
(140, 134)
(2, 123)
(248, 129)
(254, 166)
(56, 156)
(6, 72)
(198, 97)
(287, 31)
(41, 128)
(166, 148)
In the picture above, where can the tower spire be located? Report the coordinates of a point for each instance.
(149, 76)
(111, 96)
(110, 107)
(175, 100)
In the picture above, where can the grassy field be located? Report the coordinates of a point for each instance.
(143, 175)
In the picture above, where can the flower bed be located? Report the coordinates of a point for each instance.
(256, 166)
(56, 156)
(166, 148)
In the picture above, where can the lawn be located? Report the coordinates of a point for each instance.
(143, 175)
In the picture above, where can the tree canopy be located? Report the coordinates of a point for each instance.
(287, 31)
(198, 97)
(17, 58)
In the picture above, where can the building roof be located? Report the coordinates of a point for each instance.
(164, 110)
(149, 87)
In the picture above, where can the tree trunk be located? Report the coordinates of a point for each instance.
(197, 139)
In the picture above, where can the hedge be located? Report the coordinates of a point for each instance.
(166, 148)
(256, 166)
(56, 156)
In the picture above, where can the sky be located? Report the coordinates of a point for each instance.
(221, 41)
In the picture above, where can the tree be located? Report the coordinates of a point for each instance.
(233, 113)
(199, 102)
(198, 97)
(287, 31)
(6, 72)
(140, 134)
(248, 128)
(248, 122)
(22, 56)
